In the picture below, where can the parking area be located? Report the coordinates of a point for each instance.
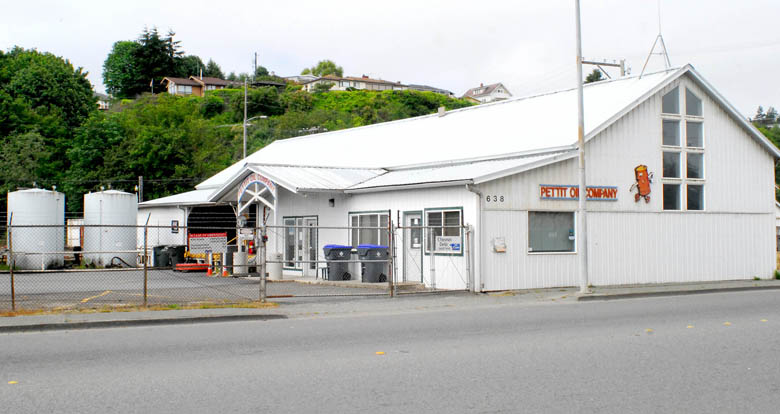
(118, 287)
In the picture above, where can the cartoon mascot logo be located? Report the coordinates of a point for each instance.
(642, 184)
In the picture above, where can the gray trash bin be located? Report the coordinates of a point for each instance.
(160, 256)
(176, 254)
(338, 256)
(373, 271)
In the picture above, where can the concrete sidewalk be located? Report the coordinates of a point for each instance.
(353, 306)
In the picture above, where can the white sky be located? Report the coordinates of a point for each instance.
(527, 45)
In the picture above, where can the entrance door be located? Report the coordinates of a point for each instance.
(413, 270)
(310, 246)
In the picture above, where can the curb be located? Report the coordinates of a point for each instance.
(60, 326)
(607, 296)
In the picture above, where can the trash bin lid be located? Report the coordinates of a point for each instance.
(371, 246)
(337, 246)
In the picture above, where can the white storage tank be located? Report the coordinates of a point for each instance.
(102, 244)
(37, 248)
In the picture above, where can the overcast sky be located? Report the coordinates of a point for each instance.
(527, 45)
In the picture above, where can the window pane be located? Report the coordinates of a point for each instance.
(383, 239)
(289, 242)
(694, 134)
(354, 238)
(695, 165)
(672, 133)
(695, 197)
(452, 218)
(434, 220)
(368, 236)
(692, 103)
(672, 164)
(550, 232)
(671, 196)
(671, 102)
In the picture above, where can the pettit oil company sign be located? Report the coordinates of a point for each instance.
(572, 192)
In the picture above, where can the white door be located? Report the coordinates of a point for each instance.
(413, 271)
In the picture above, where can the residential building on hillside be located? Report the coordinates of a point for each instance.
(196, 85)
(426, 88)
(488, 93)
(363, 82)
(103, 101)
(301, 78)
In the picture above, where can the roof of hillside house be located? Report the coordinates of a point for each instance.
(484, 90)
(180, 81)
(425, 88)
(363, 78)
(211, 81)
(470, 145)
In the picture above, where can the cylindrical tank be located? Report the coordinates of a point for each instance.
(37, 247)
(102, 244)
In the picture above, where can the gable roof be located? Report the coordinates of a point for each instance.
(211, 81)
(180, 81)
(517, 127)
(485, 90)
(354, 78)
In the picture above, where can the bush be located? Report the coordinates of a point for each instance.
(212, 106)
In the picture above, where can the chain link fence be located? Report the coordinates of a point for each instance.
(92, 266)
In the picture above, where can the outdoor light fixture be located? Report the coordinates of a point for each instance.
(332, 202)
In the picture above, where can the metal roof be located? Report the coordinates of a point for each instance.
(315, 178)
(519, 126)
(470, 172)
(195, 197)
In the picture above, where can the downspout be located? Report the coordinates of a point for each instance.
(476, 252)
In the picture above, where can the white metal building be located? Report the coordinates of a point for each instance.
(681, 187)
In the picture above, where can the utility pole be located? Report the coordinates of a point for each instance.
(582, 241)
(244, 118)
(254, 73)
(140, 188)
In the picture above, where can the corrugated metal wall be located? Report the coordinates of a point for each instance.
(636, 242)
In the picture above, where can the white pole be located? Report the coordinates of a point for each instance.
(583, 193)
(244, 118)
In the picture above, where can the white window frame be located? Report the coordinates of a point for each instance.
(683, 149)
(528, 231)
(428, 243)
(358, 214)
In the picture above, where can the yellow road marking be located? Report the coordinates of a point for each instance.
(648, 330)
(763, 320)
(85, 300)
(727, 323)
(380, 353)
(13, 382)
(690, 326)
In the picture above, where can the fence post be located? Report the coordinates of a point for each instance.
(11, 261)
(263, 263)
(432, 239)
(146, 258)
(390, 253)
(467, 247)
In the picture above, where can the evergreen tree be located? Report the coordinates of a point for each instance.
(213, 70)
(594, 76)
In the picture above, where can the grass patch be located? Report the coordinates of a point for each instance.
(139, 308)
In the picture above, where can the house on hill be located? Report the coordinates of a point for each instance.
(363, 82)
(680, 189)
(488, 93)
(196, 85)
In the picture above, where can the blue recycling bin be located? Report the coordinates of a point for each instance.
(373, 272)
(338, 256)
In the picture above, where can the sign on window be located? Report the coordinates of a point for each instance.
(448, 244)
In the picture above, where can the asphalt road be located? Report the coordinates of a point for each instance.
(703, 353)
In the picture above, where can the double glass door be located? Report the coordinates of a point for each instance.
(300, 244)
